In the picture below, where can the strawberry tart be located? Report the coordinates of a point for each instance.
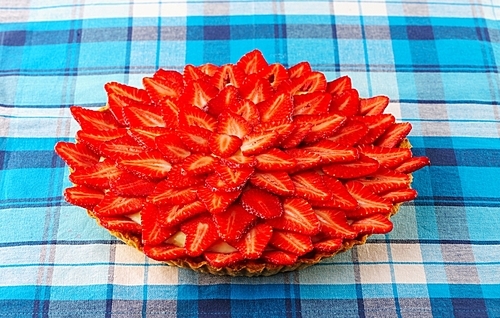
(241, 169)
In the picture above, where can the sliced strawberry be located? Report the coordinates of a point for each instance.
(339, 85)
(123, 147)
(394, 135)
(239, 160)
(277, 182)
(94, 138)
(300, 69)
(340, 197)
(216, 202)
(373, 224)
(253, 243)
(323, 126)
(116, 103)
(229, 96)
(168, 76)
(377, 125)
(192, 73)
(232, 124)
(158, 89)
(196, 139)
(345, 103)
(233, 223)
(97, 176)
(385, 180)
(164, 252)
(350, 133)
(198, 93)
(276, 108)
(234, 178)
(120, 224)
(256, 90)
(171, 215)
(360, 167)
(282, 127)
(112, 205)
(329, 246)
(146, 136)
(94, 119)
(310, 185)
(330, 151)
(295, 243)
(279, 258)
(83, 196)
(129, 92)
(258, 142)
(315, 103)
(387, 157)
(368, 202)
(148, 165)
(172, 147)
(208, 68)
(152, 231)
(413, 164)
(228, 74)
(198, 164)
(334, 224)
(129, 185)
(194, 116)
(252, 62)
(298, 216)
(178, 178)
(143, 116)
(165, 193)
(300, 131)
(304, 159)
(201, 233)
(224, 145)
(373, 106)
(170, 110)
(274, 159)
(308, 83)
(221, 260)
(247, 110)
(76, 155)
(261, 203)
(400, 195)
(275, 73)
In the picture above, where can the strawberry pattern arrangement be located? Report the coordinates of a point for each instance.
(241, 169)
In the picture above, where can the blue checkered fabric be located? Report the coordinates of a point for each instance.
(437, 60)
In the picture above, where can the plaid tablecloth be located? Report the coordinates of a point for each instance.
(438, 62)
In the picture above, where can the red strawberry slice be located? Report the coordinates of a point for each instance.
(172, 147)
(198, 93)
(247, 110)
(94, 138)
(279, 258)
(282, 127)
(238, 160)
(120, 224)
(274, 159)
(165, 193)
(76, 155)
(196, 139)
(329, 152)
(387, 157)
(276, 108)
(83, 196)
(394, 135)
(373, 106)
(400, 195)
(112, 205)
(304, 159)
(116, 103)
(258, 142)
(196, 164)
(164, 252)
(310, 185)
(158, 89)
(168, 76)
(129, 92)
(300, 131)
(323, 126)
(253, 243)
(233, 223)
(300, 69)
(413, 164)
(345, 103)
(208, 68)
(298, 216)
(94, 119)
(373, 224)
(171, 215)
(129, 185)
(97, 176)
(334, 224)
(315, 103)
(221, 260)
(192, 73)
(256, 89)
(146, 136)
(228, 96)
(377, 125)
(295, 243)
(252, 62)
(216, 202)
(229, 74)
(194, 116)
(361, 167)
(179, 178)
(232, 124)
(340, 197)
(385, 180)
(350, 133)
(148, 165)
(329, 246)
(261, 203)
(170, 110)
(277, 182)
(309, 83)
(234, 178)
(201, 233)
(339, 85)
(224, 145)
(119, 148)
(368, 202)
(153, 233)
(274, 73)
(143, 116)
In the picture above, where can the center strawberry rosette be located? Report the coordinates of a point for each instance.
(246, 165)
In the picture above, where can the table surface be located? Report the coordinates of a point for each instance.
(438, 62)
